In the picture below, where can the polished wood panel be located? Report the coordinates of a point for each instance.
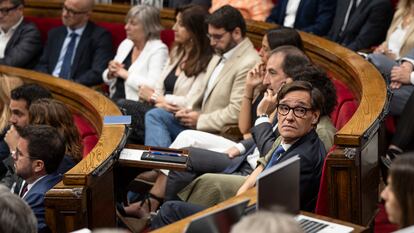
(352, 169)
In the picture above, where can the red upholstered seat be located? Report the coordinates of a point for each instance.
(117, 31)
(382, 225)
(343, 111)
(87, 132)
(44, 24)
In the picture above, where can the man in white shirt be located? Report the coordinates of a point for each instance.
(39, 151)
(20, 43)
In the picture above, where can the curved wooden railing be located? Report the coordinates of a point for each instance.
(352, 168)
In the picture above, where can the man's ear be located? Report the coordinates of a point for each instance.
(315, 117)
(38, 165)
(236, 34)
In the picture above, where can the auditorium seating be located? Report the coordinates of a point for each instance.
(85, 197)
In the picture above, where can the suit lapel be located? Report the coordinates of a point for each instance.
(14, 38)
(60, 38)
(357, 13)
(82, 47)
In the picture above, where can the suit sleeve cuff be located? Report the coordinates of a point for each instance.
(261, 120)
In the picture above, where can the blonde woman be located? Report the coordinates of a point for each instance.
(6, 85)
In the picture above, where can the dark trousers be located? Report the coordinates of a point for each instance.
(404, 134)
(172, 211)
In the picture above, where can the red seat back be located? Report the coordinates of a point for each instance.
(87, 132)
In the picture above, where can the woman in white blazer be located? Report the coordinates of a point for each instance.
(182, 77)
(140, 58)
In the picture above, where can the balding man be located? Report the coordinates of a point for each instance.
(79, 50)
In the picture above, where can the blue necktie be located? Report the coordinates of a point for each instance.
(67, 59)
(277, 154)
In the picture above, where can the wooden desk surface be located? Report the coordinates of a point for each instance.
(179, 226)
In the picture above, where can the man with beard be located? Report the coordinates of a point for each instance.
(219, 105)
(79, 50)
(21, 99)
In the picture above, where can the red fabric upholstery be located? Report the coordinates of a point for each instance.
(117, 31)
(44, 24)
(382, 225)
(167, 36)
(390, 124)
(87, 132)
(343, 111)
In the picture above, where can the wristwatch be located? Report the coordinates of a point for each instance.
(263, 115)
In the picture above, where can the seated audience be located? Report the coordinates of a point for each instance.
(215, 143)
(6, 85)
(39, 151)
(313, 16)
(399, 192)
(219, 105)
(79, 50)
(140, 58)
(398, 44)
(298, 109)
(20, 43)
(21, 99)
(182, 77)
(15, 215)
(266, 221)
(360, 24)
(257, 10)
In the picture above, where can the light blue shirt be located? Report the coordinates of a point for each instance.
(58, 66)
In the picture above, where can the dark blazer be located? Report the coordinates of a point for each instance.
(24, 47)
(91, 57)
(314, 16)
(312, 154)
(36, 195)
(366, 27)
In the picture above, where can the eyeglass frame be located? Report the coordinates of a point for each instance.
(6, 11)
(294, 110)
(73, 12)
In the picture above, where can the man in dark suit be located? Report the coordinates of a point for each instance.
(20, 43)
(79, 50)
(314, 16)
(361, 24)
(39, 151)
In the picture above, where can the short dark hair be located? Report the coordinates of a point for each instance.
(293, 58)
(30, 93)
(15, 214)
(402, 174)
(14, 2)
(229, 18)
(317, 99)
(44, 143)
(284, 36)
(319, 79)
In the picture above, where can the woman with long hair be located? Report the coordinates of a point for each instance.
(183, 76)
(399, 192)
(55, 113)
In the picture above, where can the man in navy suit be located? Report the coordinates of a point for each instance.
(39, 151)
(20, 43)
(79, 50)
(313, 16)
(361, 24)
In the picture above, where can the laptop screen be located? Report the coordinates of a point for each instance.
(219, 221)
(278, 186)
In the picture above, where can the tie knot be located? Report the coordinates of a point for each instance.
(279, 150)
(73, 35)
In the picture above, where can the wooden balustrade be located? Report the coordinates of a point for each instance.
(85, 196)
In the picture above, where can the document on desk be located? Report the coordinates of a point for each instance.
(131, 154)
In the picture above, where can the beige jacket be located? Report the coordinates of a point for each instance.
(222, 106)
(408, 43)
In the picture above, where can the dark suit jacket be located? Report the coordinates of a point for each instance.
(36, 196)
(366, 27)
(91, 57)
(24, 47)
(314, 16)
(312, 154)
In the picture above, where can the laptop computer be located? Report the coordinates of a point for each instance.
(219, 221)
(285, 176)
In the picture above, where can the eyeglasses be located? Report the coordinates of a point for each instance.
(73, 12)
(300, 112)
(216, 37)
(6, 11)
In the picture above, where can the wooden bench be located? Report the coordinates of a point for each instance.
(85, 197)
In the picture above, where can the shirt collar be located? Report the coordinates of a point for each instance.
(14, 27)
(78, 31)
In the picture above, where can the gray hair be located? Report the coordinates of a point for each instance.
(149, 17)
(265, 221)
(15, 215)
